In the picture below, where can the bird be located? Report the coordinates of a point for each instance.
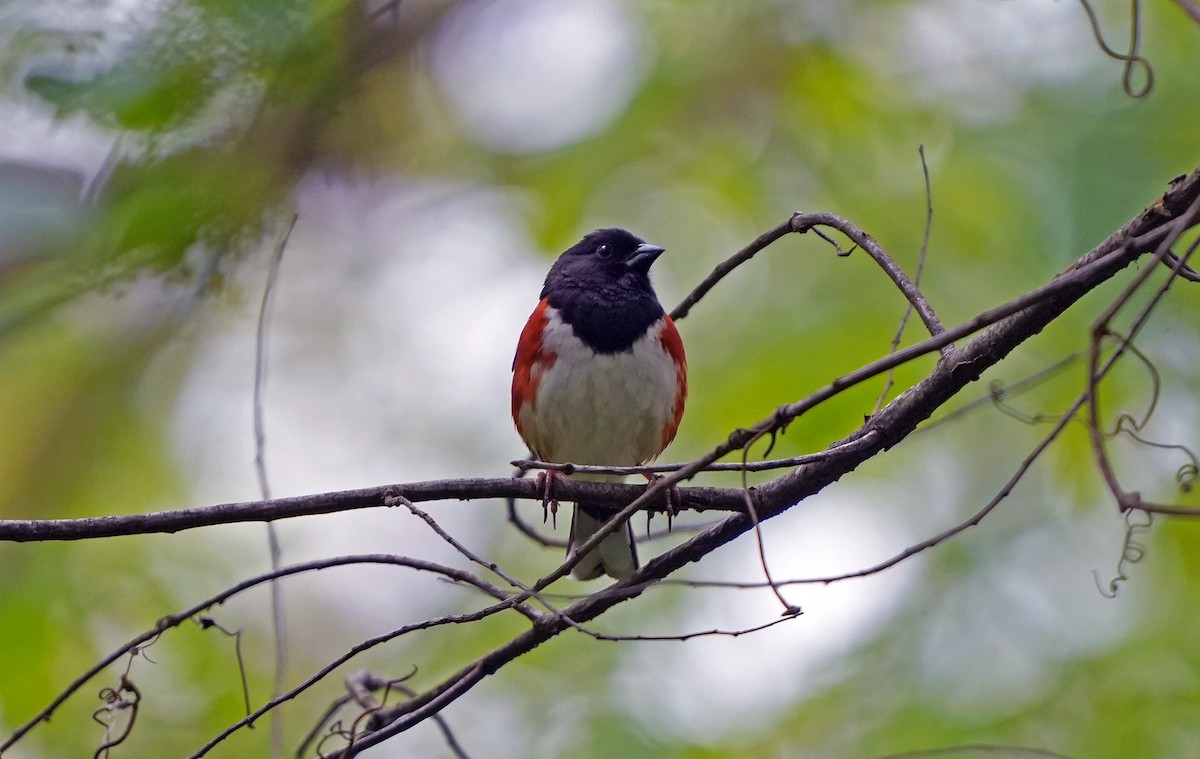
(599, 377)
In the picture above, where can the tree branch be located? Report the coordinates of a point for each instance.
(601, 494)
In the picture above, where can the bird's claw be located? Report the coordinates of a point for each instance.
(545, 481)
(672, 498)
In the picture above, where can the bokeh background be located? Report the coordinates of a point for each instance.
(439, 154)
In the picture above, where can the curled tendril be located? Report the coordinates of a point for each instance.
(1132, 551)
(336, 731)
(1127, 421)
(1185, 475)
(125, 697)
(1132, 59)
(1131, 427)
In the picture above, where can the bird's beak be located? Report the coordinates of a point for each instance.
(643, 257)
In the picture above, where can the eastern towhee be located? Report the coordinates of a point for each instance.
(600, 376)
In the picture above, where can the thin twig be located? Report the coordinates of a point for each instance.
(362, 685)
(976, 748)
(1183, 271)
(733, 466)
(278, 627)
(311, 735)
(321, 674)
(528, 530)
(447, 734)
(789, 609)
(206, 622)
(688, 636)
(891, 375)
(491, 566)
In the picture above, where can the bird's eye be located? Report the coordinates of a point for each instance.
(604, 251)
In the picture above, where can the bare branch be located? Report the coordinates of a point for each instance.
(601, 494)
(328, 669)
(447, 734)
(362, 686)
(260, 373)
(738, 466)
(801, 223)
(278, 627)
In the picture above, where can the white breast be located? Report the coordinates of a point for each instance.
(600, 408)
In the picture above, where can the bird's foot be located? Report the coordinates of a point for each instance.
(545, 481)
(673, 498)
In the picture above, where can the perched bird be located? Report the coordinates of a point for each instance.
(599, 377)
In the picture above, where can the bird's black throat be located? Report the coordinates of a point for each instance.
(607, 320)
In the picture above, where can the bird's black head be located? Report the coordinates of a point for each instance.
(601, 287)
(606, 258)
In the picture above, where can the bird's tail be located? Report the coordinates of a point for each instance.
(616, 555)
